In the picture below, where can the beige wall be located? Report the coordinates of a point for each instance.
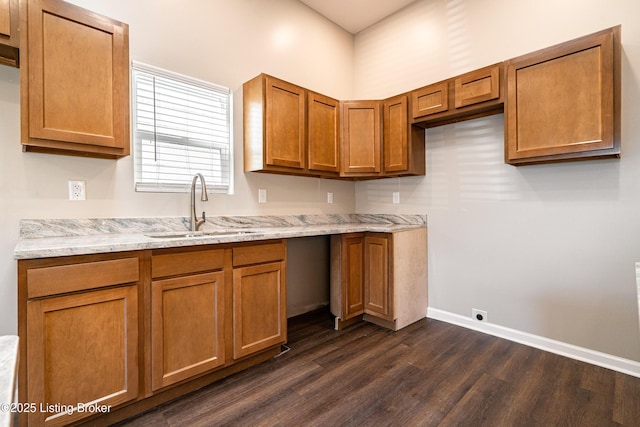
(547, 249)
(222, 41)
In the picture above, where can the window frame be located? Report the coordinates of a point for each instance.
(137, 136)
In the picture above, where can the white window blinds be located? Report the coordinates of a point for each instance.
(181, 126)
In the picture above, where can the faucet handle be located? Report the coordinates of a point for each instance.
(204, 217)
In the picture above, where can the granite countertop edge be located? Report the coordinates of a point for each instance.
(55, 238)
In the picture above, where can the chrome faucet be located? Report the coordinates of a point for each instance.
(195, 222)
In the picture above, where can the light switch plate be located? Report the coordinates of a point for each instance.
(262, 195)
(396, 197)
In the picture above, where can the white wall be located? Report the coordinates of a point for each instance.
(546, 249)
(222, 41)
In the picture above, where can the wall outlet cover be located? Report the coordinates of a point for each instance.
(479, 315)
(77, 190)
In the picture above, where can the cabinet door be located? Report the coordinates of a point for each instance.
(361, 138)
(563, 102)
(81, 349)
(378, 295)
(75, 84)
(187, 327)
(9, 38)
(284, 124)
(430, 99)
(352, 276)
(324, 133)
(477, 86)
(259, 308)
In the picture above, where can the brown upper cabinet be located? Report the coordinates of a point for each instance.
(74, 81)
(292, 130)
(9, 33)
(563, 102)
(288, 129)
(361, 139)
(324, 133)
(471, 95)
(403, 144)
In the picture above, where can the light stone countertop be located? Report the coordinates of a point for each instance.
(53, 238)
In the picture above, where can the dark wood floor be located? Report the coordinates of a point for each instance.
(428, 374)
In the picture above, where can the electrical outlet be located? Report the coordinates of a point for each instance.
(262, 195)
(329, 197)
(77, 190)
(396, 197)
(479, 315)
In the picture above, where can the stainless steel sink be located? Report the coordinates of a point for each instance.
(196, 234)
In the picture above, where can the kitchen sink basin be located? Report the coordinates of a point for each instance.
(196, 234)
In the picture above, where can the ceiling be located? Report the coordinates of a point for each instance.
(356, 15)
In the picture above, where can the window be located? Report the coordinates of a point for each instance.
(181, 126)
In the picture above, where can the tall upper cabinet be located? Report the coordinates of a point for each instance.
(74, 81)
(563, 102)
(9, 37)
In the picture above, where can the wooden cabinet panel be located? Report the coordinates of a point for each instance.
(352, 276)
(323, 133)
(563, 102)
(75, 82)
(275, 138)
(396, 135)
(81, 349)
(285, 124)
(378, 293)
(259, 308)
(53, 280)
(193, 261)
(9, 36)
(259, 253)
(403, 144)
(361, 138)
(477, 86)
(430, 99)
(187, 327)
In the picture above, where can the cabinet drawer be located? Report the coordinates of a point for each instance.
(172, 264)
(477, 86)
(257, 254)
(79, 277)
(430, 99)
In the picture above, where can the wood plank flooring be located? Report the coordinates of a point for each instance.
(428, 374)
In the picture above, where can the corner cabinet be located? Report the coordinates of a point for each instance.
(9, 33)
(361, 139)
(74, 81)
(563, 102)
(78, 335)
(379, 277)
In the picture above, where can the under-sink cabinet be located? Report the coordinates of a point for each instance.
(187, 314)
(379, 277)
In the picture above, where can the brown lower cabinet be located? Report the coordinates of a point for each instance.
(78, 326)
(103, 337)
(259, 298)
(379, 277)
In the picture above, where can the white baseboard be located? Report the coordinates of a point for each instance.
(626, 366)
